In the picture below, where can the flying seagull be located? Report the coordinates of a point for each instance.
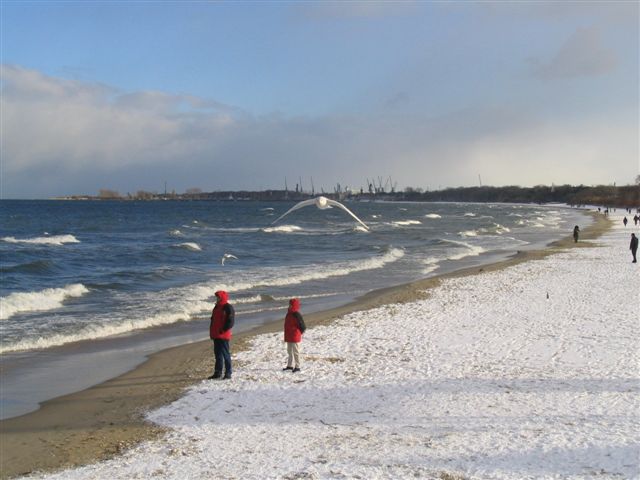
(322, 203)
(225, 256)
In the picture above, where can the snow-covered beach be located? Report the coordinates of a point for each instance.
(531, 371)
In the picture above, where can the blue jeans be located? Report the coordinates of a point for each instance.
(223, 355)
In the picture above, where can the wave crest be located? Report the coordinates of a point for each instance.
(48, 299)
(404, 223)
(194, 247)
(282, 229)
(53, 240)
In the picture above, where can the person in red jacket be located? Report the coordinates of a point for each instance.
(294, 327)
(222, 319)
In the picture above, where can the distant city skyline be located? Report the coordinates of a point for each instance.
(239, 96)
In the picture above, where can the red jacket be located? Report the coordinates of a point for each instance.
(294, 325)
(222, 318)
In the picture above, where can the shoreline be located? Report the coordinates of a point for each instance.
(104, 420)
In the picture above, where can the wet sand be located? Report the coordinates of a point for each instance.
(106, 419)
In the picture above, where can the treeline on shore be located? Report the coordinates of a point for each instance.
(627, 196)
(610, 196)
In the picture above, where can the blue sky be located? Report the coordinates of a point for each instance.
(240, 95)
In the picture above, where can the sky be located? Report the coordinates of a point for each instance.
(126, 95)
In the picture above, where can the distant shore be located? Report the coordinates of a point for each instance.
(106, 419)
(627, 196)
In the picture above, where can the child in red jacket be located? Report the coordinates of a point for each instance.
(294, 327)
(222, 320)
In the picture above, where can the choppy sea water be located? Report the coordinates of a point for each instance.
(80, 272)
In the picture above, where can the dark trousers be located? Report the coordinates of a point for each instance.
(223, 355)
(633, 252)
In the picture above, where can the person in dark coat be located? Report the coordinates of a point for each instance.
(624, 220)
(633, 246)
(294, 327)
(222, 320)
(576, 233)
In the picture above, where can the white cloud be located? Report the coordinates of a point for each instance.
(51, 122)
(61, 137)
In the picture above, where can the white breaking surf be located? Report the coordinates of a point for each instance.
(487, 378)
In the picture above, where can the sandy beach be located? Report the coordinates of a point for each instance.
(109, 419)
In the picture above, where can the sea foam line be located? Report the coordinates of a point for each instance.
(95, 332)
(53, 240)
(282, 229)
(195, 299)
(48, 299)
(276, 278)
(470, 250)
(404, 223)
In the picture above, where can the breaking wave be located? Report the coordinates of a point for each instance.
(282, 229)
(404, 223)
(194, 247)
(433, 215)
(53, 240)
(191, 301)
(48, 299)
(469, 250)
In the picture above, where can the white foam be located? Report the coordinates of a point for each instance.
(102, 330)
(185, 303)
(176, 233)
(54, 240)
(433, 215)
(469, 250)
(469, 214)
(431, 264)
(282, 229)
(404, 223)
(48, 299)
(194, 247)
(500, 229)
(317, 272)
(253, 299)
(468, 233)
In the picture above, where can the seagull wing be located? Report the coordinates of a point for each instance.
(304, 203)
(225, 256)
(339, 205)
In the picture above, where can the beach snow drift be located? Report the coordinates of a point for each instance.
(527, 372)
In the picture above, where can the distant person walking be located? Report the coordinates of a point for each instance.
(624, 220)
(633, 246)
(294, 327)
(222, 320)
(576, 233)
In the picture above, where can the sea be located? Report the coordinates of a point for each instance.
(90, 288)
